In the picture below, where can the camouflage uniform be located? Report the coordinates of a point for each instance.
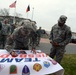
(5, 32)
(39, 33)
(61, 36)
(20, 37)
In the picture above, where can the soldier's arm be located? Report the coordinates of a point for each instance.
(46, 33)
(10, 41)
(12, 37)
(67, 39)
(9, 44)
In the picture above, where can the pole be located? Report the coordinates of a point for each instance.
(27, 15)
(15, 14)
(9, 11)
(32, 13)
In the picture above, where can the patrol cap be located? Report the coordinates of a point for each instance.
(27, 24)
(62, 19)
(24, 22)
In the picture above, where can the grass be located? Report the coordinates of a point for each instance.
(69, 64)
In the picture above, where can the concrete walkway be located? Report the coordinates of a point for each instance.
(45, 47)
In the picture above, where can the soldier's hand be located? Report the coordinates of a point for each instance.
(51, 41)
(55, 44)
(33, 50)
(14, 54)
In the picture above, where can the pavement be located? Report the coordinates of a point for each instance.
(45, 40)
(45, 46)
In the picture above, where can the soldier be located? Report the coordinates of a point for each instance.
(5, 31)
(20, 37)
(39, 32)
(60, 36)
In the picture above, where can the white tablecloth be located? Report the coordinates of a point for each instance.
(28, 64)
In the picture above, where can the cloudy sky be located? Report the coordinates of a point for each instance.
(46, 12)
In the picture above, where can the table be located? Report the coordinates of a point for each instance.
(28, 64)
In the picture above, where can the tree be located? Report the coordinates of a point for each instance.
(4, 12)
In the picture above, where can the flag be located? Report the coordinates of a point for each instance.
(13, 5)
(28, 8)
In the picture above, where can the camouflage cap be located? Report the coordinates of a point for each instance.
(27, 24)
(62, 18)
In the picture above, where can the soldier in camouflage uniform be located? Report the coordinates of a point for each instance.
(5, 31)
(60, 36)
(39, 33)
(20, 37)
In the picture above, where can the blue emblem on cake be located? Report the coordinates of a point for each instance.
(25, 70)
(46, 64)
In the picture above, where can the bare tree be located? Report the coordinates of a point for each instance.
(4, 12)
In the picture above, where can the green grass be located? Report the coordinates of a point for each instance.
(69, 64)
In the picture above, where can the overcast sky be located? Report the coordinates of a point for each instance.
(46, 12)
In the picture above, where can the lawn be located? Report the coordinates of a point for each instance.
(69, 64)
